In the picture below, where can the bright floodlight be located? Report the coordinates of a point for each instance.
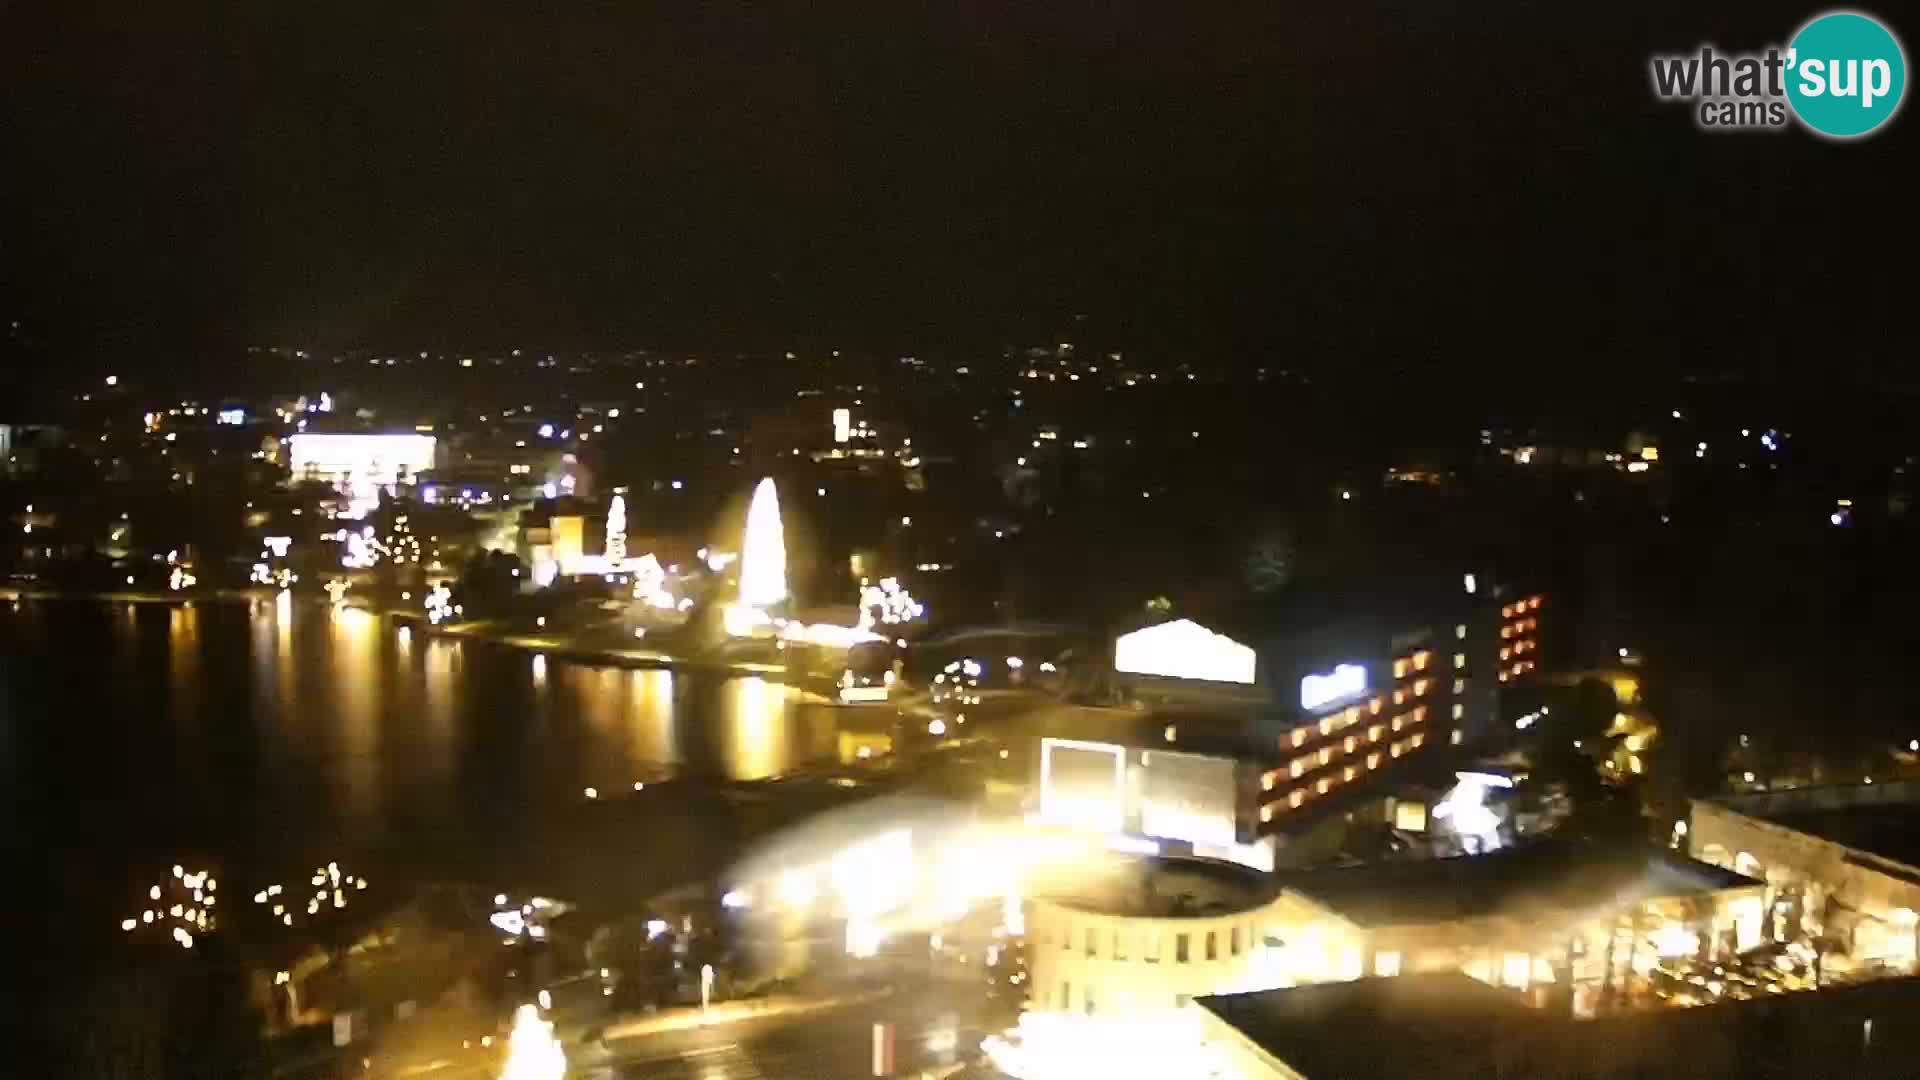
(532, 1051)
(763, 550)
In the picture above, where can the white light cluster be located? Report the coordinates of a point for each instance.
(650, 582)
(527, 920)
(440, 606)
(193, 895)
(888, 603)
(330, 884)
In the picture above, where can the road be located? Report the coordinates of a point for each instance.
(930, 1027)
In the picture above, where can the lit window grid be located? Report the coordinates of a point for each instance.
(1315, 786)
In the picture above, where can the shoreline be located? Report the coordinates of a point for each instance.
(559, 647)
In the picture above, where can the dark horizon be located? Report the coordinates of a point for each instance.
(1490, 189)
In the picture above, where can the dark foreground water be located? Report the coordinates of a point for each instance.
(262, 740)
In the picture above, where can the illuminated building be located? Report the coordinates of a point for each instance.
(1183, 649)
(352, 460)
(1149, 935)
(1553, 916)
(1160, 800)
(1372, 691)
(1844, 860)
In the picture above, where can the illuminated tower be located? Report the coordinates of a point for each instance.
(617, 531)
(763, 551)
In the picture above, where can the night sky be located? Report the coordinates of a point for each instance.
(1486, 186)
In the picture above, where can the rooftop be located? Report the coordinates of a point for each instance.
(1451, 1027)
(1425, 1025)
(1879, 819)
(1548, 877)
(1160, 888)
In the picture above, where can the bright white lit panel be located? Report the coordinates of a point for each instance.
(1183, 649)
(1083, 784)
(380, 459)
(1343, 682)
(1187, 797)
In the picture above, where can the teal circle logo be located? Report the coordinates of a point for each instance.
(1845, 74)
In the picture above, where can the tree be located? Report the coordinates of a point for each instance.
(1269, 562)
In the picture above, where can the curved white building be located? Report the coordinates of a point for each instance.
(1151, 934)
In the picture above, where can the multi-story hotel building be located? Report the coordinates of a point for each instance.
(1342, 699)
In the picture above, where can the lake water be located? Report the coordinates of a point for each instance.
(263, 739)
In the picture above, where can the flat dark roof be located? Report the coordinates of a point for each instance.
(1879, 819)
(1374, 1027)
(1555, 874)
(1452, 1027)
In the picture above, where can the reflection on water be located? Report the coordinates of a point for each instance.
(278, 732)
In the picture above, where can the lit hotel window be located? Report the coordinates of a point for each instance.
(1400, 668)
(1346, 773)
(1326, 726)
(1420, 715)
(1459, 710)
(1297, 767)
(1373, 761)
(1397, 749)
(1459, 660)
(1347, 744)
(1399, 696)
(1296, 798)
(1374, 732)
(1419, 739)
(1397, 721)
(1321, 785)
(1326, 754)
(1459, 686)
(1457, 737)
(1506, 631)
(1503, 676)
(1374, 705)
(1460, 631)
(1420, 659)
(1350, 717)
(1534, 603)
(1506, 611)
(1267, 780)
(1420, 687)
(1506, 654)
(1299, 737)
(1266, 814)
